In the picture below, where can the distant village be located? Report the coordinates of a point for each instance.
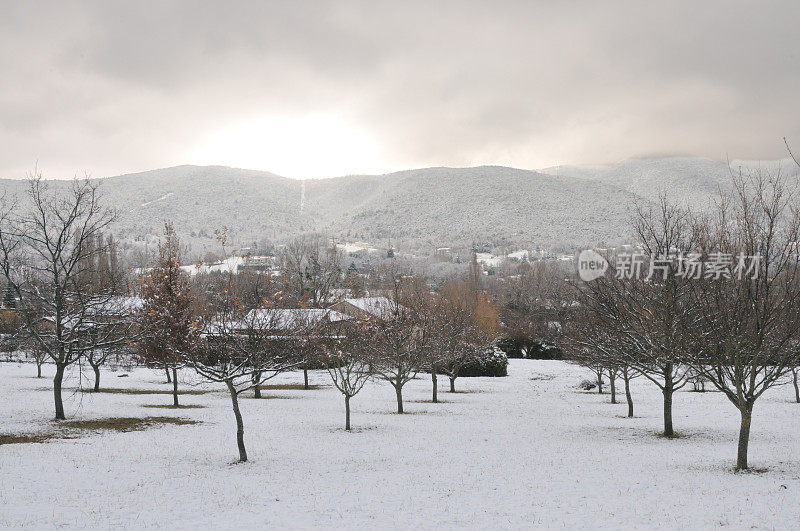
(357, 252)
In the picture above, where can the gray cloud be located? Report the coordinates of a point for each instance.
(109, 87)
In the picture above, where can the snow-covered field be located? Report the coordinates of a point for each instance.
(528, 450)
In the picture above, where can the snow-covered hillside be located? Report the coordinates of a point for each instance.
(565, 206)
(524, 451)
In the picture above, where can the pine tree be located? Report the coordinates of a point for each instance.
(169, 326)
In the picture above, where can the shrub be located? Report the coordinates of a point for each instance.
(493, 362)
(542, 350)
(525, 347)
(510, 347)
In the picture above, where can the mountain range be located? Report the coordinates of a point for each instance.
(560, 207)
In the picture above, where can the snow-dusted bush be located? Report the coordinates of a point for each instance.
(528, 347)
(510, 347)
(542, 350)
(492, 362)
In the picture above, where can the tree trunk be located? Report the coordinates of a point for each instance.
(39, 372)
(96, 369)
(599, 382)
(347, 412)
(744, 436)
(796, 387)
(175, 386)
(435, 385)
(169, 379)
(668, 432)
(257, 384)
(305, 378)
(452, 384)
(57, 379)
(398, 389)
(612, 382)
(628, 396)
(239, 422)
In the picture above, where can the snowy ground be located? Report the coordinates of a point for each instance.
(524, 451)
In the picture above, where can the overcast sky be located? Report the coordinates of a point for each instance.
(313, 89)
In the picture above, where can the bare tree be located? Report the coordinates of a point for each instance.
(587, 342)
(796, 368)
(749, 321)
(347, 360)
(43, 252)
(397, 343)
(311, 269)
(644, 305)
(253, 291)
(628, 374)
(116, 317)
(419, 302)
(241, 349)
(466, 323)
(612, 371)
(796, 385)
(116, 320)
(39, 357)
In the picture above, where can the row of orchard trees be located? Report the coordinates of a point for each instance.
(684, 316)
(216, 326)
(238, 330)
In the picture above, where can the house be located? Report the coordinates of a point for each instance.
(277, 323)
(365, 307)
(260, 264)
(356, 248)
(293, 318)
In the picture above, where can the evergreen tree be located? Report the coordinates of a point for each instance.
(9, 297)
(169, 326)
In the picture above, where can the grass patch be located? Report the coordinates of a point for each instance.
(752, 470)
(676, 435)
(66, 429)
(269, 397)
(123, 391)
(24, 438)
(354, 429)
(405, 413)
(123, 424)
(170, 406)
(289, 387)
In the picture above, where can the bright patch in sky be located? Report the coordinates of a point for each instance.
(300, 147)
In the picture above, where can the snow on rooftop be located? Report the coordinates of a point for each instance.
(283, 318)
(488, 259)
(377, 306)
(355, 247)
(229, 265)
